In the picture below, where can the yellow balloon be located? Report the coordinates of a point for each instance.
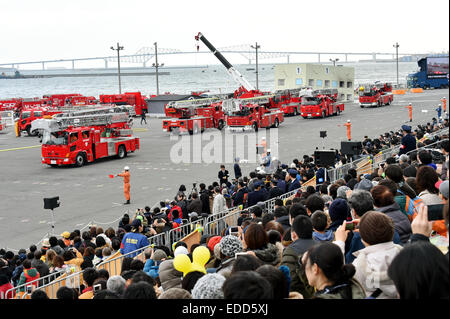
(182, 263)
(201, 255)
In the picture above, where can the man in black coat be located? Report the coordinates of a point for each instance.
(258, 195)
(408, 141)
(275, 191)
(195, 205)
(204, 197)
(223, 175)
(238, 196)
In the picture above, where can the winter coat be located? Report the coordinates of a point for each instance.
(401, 222)
(257, 196)
(429, 198)
(151, 268)
(284, 221)
(294, 185)
(290, 257)
(28, 275)
(41, 267)
(337, 292)
(357, 244)
(132, 242)
(275, 192)
(225, 267)
(372, 264)
(204, 197)
(4, 288)
(268, 255)
(169, 276)
(219, 204)
(327, 236)
(195, 206)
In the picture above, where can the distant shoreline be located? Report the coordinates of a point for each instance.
(74, 75)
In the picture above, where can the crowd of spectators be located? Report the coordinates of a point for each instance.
(354, 238)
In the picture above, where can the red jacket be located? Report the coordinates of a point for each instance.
(4, 288)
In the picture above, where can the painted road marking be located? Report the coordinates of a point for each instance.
(140, 129)
(19, 148)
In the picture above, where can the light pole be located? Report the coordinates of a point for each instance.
(334, 61)
(156, 66)
(256, 47)
(118, 63)
(396, 52)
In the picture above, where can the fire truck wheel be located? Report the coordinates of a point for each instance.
(80, 160)
(31, 133)
(221, 125)
(255, 126)
(276, 123)
(121, 152)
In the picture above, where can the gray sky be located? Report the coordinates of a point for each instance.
(50, 29)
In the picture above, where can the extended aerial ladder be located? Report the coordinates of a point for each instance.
(65, 120)
(237, 76)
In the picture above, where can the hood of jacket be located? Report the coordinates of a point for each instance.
(356, 289)
(169, 276)
(327, 236)
(32, 272)
(388, 209)
(269, 255)
(372, 263)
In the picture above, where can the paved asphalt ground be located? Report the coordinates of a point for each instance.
(87, 194)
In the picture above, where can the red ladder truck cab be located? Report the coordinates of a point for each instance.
(320, 104)
(194, 116)
(128, 98)
(27, 116)
(376, 95)
(250, 116)
(288, 101)
(77, 140)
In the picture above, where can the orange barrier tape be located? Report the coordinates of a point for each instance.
(398, 92)
(416, 90)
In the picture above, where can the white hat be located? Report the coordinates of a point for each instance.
(268, 150)
(180, 250)
(348, 120)
(263, 138)
(126, 168)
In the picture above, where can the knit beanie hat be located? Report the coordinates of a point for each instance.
(213, 241)
(175, 293)
(338, 210)
(376, 228)
(209, 287)
(217, 251)
(229, 245)
(364, 184)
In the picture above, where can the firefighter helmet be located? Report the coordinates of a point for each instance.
(126, 168)
(348, 121)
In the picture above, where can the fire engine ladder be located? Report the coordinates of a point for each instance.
(63, 122)
(184, 104)
(233, 105)
(97, 109)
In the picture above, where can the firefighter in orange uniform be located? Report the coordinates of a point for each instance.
(349, 130)
(444, 104)
(409, 107)
(126, 184)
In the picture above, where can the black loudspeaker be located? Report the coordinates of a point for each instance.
(51, 203)
(323, 134)
(351, 148)
(324, 158)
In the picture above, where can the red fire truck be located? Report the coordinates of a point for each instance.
(6, 119)
(78, 139)
(28, 115)
(129, 98)
(10, 104)
(194, 116)
(288, 101)
(377, 95)
(251, 113)
(321, 103)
